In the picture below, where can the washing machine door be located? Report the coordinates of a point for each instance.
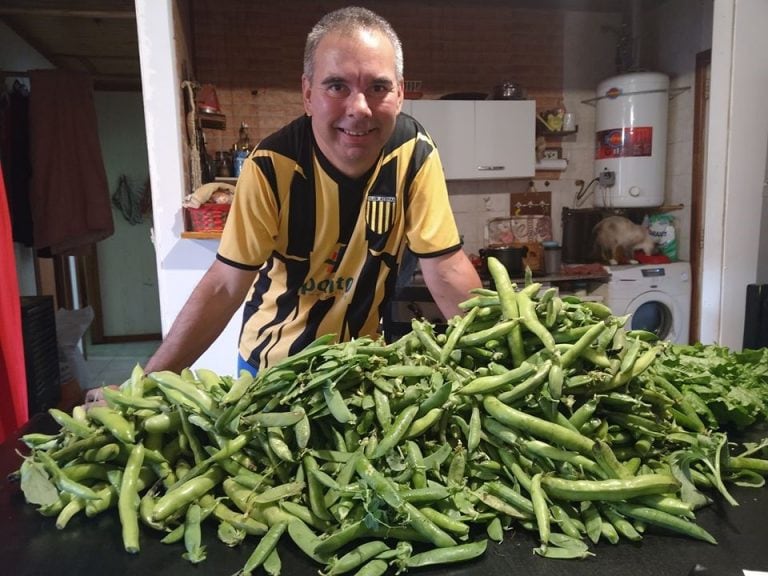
(655, 312)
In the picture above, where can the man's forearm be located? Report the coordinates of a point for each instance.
(202, 319)
(196, 327)
(450, 279)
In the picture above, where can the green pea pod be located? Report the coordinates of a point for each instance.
(382, 409)
(378, 482)
(458, 330)
(70, 509)
(337, 405)
(531, 321)
(424, 526)
(488, 384)
(63, 482)
(69, 423)
(238, 388)
(611, 489)
(356, 557)
(375, 567)
(501, 505)
(538, 427)
(169, 381)
(275, 419)
(114, 422)
(509, 308)
(446, 522)
(118, 399)
(437, 399)
(272, 564)
(315, 488)
(128, 499)
(540, 509)
(396, 432)
(178, 498)
(195, 551)
(421, 425)
(449, 555)
(264, 548)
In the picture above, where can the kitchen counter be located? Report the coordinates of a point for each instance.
(31, 545)
(417, 290)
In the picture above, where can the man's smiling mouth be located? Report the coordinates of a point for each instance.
(355, 133)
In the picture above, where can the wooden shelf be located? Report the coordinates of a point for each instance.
(559, 134)
(210, 235)
(212, 120)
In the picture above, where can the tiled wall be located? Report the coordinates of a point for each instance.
(252, 52)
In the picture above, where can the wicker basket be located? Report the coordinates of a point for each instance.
(208, 218)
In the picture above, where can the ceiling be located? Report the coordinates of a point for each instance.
(94, 36)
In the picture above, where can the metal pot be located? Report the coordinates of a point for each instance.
(510, 256)
(508, 91)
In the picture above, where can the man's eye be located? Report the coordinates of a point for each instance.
(337, 90)
(379, 90)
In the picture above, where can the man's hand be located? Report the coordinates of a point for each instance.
(95, 396)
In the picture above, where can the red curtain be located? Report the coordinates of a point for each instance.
(13, 380)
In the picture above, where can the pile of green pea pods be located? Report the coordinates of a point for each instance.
(532, 411)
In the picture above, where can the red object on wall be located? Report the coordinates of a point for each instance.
(13, 379)
(628, 142)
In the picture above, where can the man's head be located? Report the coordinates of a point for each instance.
(352, 86)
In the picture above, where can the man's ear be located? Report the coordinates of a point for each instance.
(306, 94)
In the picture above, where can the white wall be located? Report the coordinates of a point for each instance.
(180, 263)
(736, 169)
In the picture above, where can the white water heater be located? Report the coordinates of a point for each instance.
(631, 140)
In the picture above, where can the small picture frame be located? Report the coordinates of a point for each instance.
(554, 153)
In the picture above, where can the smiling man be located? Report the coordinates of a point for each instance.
(324, 209)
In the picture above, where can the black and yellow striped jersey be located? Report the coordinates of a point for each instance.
(327, 247)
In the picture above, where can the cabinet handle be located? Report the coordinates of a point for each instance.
(487, 168)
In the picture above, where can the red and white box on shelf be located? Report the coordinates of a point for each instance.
(529, 231)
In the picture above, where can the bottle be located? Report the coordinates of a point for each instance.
(241, 149)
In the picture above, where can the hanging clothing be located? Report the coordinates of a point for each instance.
(13, 380)
(70, 197)
(15, 155)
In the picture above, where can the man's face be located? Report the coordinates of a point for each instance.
(353, 99)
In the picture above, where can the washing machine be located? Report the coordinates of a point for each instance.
(658, 297)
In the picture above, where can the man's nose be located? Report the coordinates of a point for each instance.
(357, 104)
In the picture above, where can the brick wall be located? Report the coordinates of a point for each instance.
(252, 52)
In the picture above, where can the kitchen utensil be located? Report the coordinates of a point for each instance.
(510, 256)
(508, 91)
(552, 257)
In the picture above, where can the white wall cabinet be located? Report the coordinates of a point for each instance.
(481, 139)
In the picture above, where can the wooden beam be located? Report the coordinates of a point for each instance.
(60, 13)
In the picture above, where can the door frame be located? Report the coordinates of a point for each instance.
(698, 184)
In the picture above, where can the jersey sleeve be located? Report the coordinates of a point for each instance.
(249, 234)
(430, 225)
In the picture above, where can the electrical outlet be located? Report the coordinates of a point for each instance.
(550, 155)
(607, 178)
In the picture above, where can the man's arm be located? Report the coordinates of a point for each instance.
(450, 278)
(206, 313)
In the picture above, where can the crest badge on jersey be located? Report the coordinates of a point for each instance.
(380, 213)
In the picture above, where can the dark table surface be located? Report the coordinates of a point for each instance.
(30, 545)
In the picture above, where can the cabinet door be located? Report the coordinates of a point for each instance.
(451, 124)
(505, 139)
